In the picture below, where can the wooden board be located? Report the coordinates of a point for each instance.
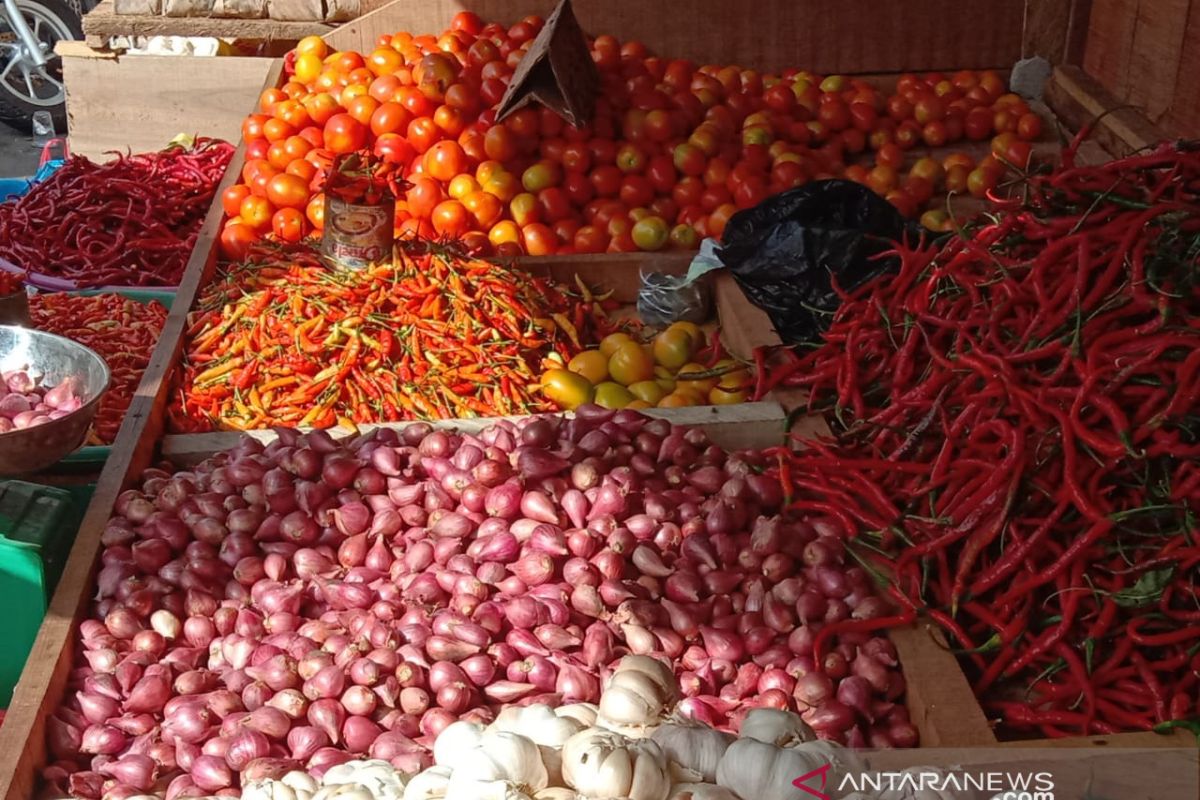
(806, 34)
(140, 103)
(1056, 30)
(1147, 53)
(1079, 100)
(753, 426)
(102, 23)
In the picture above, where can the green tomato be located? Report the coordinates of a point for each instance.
(650, 233)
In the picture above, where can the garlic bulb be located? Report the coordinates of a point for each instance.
(474, 789)
(500, 756)
(843, 759)
(701, 791)
(428, 785)
(636, 694)
(758, 771)
(377, 776)
(556, 793)
(455, 740)
(603, 764)
(694, 750)
(583, 713)
(300, 781)
(295, 785)
(344, 791)
(772, 726)
(536, 722)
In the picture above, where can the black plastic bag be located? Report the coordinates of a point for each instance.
(785, 251)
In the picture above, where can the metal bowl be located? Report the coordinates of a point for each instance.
(53, 359)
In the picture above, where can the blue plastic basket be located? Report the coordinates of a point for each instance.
(14, 187)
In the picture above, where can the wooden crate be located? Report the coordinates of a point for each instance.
(140, 103)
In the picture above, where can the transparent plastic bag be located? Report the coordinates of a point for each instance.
(664, 299)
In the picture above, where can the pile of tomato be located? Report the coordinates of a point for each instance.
(673, 151)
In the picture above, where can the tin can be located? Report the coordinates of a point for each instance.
(360, 209)
(355, 235)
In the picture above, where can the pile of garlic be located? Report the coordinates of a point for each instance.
(627, 747)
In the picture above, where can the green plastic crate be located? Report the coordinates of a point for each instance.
(94, 456)
(37, 528)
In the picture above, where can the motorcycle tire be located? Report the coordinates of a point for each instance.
(17, 110)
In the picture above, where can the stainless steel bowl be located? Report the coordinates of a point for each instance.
(53, 359)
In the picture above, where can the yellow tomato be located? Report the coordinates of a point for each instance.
(720, 396)
(630, 363)
(639, 404)
(610, 343)
(648, 391)
(701, 385)
(613, 395)
(673, 348)
(692, 330)
(566, 389)
(591, 364)
(736, 378)
(314, 45)
(677, 400)
(308, 67)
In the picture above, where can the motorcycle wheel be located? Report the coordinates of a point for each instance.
(24, 88)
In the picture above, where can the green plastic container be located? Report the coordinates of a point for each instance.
(95, 455)
(37, 528)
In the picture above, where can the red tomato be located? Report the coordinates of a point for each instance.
(539, 240)
(890, 155)
(662, 175)
(631, 158)
(606, 180)
(423, 196)
(1029, 127)
(423, 134)
(636, 190)
(231, 199)
(590, 239)
(344, 134)
(390, 117)
(934, 134)
(394, 149)
(929, 108)
(236, 240)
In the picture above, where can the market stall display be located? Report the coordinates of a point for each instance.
(1017, 445)
(132, 221)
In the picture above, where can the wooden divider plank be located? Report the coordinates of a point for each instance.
(103, 22)
(1153, 70)
(950, 716)
(1183, 118)
(43, 680)
(1078, 100)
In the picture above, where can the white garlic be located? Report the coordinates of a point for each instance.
(773, 726)
(429, 784)
(694, 750)
(375, 775)
(456, 740)
(637, 693)
(583, 713)
(758, 771)
(600, 763)
(701, 791)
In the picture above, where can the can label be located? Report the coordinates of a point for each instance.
(357, 236)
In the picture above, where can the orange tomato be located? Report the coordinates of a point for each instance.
(485, 209)
(389, 117)
(315, 211)
(288, 191)
(256, 212)
(450, 218)
(361, 108)
(444, 160)
(320, 107)
(504, 232)
(276, 129)
(288, 225)
(539, 239)
(236, 240)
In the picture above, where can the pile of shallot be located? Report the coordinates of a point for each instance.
(314, 601)
(26, 402)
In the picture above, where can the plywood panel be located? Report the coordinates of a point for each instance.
(820, 35)
(1154, 55)
(1183, 118)
(1055, 29)
(141, 103)
(1110, 38)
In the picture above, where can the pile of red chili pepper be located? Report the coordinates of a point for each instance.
(120, 330)
(130, 222)
(1018, 448)
(284, 340)
(10, 283)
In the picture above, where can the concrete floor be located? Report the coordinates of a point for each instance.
(18, 156)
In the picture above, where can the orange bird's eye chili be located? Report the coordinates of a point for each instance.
(436, 335)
